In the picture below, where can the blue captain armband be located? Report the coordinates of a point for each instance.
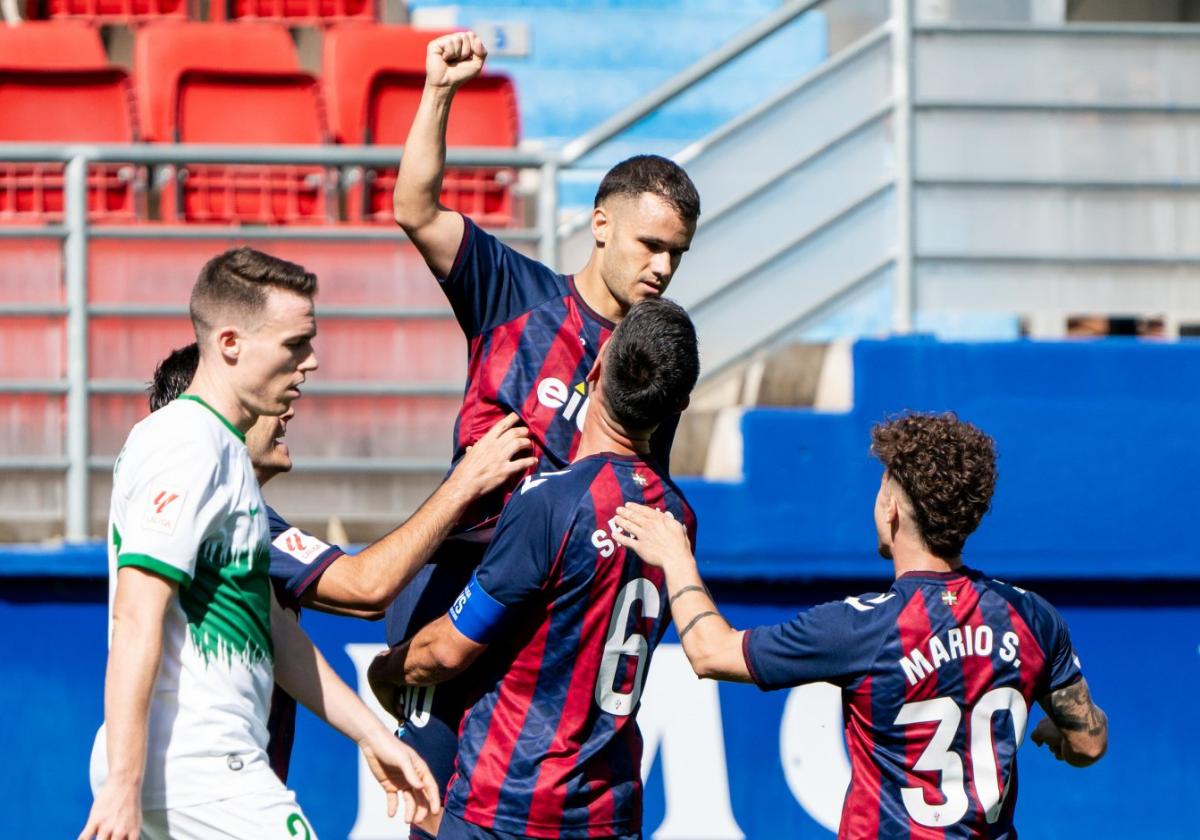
(476, 614)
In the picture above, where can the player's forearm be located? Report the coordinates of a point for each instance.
(419, 181)
(133, 662)
(437, 653)
(370, 580)
(303, 672)
(712, 646)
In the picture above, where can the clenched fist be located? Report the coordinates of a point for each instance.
(454, 59)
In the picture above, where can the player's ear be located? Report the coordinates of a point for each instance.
(601, 224)
(594, 374)
(229, 342)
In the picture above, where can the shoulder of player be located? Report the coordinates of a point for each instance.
(290, 543)
(870, 606)
(174, 433)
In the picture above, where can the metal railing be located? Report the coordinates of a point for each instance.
(75, 233)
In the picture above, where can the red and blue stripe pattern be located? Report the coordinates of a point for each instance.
(552, 748)
(531, 342)
(938, 676)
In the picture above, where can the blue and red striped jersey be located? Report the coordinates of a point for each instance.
(298, 559)
(531, 342)
(937, 675)
(552, 749)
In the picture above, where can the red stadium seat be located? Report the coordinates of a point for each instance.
(236, 84)
(311, 12)
(56, 86)
(373, 77)
(117, 11)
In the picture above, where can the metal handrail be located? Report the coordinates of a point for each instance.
(804, 237)
(685, 79)
(846, 55)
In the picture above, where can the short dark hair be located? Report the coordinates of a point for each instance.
(173, 375)
(651, 364)
(656, 175)
(947, 467)
(237, 281)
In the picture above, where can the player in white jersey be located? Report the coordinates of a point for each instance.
(196, 637)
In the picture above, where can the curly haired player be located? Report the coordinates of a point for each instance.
(937, 674)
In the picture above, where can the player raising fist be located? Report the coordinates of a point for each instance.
(532, 336)
(454, 59)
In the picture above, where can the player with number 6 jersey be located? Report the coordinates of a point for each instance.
(938, 674)
(568, 618)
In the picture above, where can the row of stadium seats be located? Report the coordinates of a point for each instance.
(134, 12)
(224, 83)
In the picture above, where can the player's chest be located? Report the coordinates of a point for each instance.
(538, 366)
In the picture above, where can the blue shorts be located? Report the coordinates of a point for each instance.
(432, 715)
(456, 828)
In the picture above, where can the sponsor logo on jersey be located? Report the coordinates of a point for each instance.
(571, 403)
(163, 509)
(300, 545)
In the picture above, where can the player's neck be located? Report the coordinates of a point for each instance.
(907, 559)
(602, 434)
(594, 291)
(221, 398)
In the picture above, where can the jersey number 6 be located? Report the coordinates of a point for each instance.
(617, 644)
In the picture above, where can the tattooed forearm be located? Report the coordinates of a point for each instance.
(686, 589)
(693, 623)
(1072, 710)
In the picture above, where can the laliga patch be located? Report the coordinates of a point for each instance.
(163, 510)
(303, 547)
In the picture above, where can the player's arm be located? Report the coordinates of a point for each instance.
(139, 606)
(437, 232)
(712, 646)
(437, 653)
(1075, 729)
(364, 584)
(303, 673)
(513, 572)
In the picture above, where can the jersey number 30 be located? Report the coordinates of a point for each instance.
(638, 591)
(938, 756)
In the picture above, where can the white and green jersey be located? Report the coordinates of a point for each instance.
(186, 506)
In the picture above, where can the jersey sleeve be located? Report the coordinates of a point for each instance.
(832, 642)
(1062, 663)
(175, 499)
(298, 559)
(491, 283)
(518, 561)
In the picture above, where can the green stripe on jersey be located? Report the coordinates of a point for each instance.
(228, 604)
(217, 414)
(153, 564)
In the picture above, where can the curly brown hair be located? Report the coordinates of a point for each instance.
(948, 469)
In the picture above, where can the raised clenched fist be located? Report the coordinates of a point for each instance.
(454, 59)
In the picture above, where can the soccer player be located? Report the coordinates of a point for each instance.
(196, 638)
(937, 674)
(305, 571)
(532, 336)
(569, 619)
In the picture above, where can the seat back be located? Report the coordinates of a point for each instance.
(484, 112)
(311, 12)
(117, 11)
(165, 51)
(352, 56)
(56, 86)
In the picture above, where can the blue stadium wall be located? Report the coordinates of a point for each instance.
(1095, 509)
